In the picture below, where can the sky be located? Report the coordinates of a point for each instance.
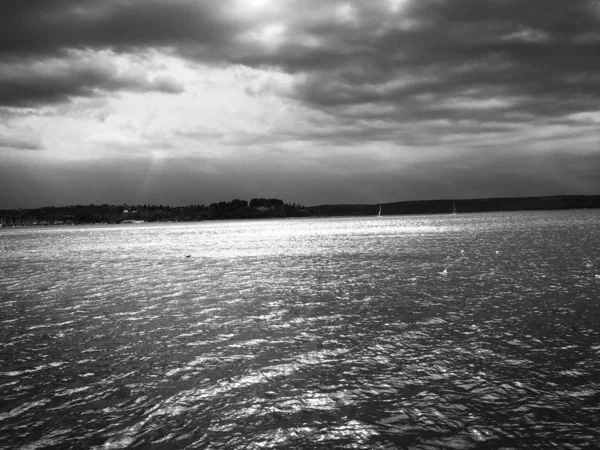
(316, 102)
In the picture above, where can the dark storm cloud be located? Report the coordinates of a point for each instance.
(41, 42)
(42, 27)
(49, 81)
(431, 55)
(540, 53)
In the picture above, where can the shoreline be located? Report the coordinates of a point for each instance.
(114, 214)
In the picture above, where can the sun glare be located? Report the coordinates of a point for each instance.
(253, 6)
(254, 11)
(256, 3)
(397, 5)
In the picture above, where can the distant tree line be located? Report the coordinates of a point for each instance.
(266, 203)
(105, 213)
(272, 207)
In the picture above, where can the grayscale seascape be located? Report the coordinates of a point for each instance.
(304, 333)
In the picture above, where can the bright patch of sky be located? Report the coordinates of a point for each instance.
(391, 92)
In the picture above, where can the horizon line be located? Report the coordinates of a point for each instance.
(312, 206)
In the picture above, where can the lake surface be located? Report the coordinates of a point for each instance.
(308, 333)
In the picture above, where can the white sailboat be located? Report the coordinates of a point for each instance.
(453, 208)
(379, 213)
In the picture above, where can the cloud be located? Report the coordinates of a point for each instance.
(42, 27)
(80, 74)
(19, 143)
(348, 53)
(318, 84)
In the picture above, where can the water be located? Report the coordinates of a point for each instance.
(312, 333)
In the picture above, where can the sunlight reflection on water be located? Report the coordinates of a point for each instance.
(321, 333)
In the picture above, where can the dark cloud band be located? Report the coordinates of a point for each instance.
(431, 59)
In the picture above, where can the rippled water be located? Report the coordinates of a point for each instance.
(319, 333)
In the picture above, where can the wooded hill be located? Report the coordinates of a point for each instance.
(462, 206)
(258, 208)
(261, 208)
